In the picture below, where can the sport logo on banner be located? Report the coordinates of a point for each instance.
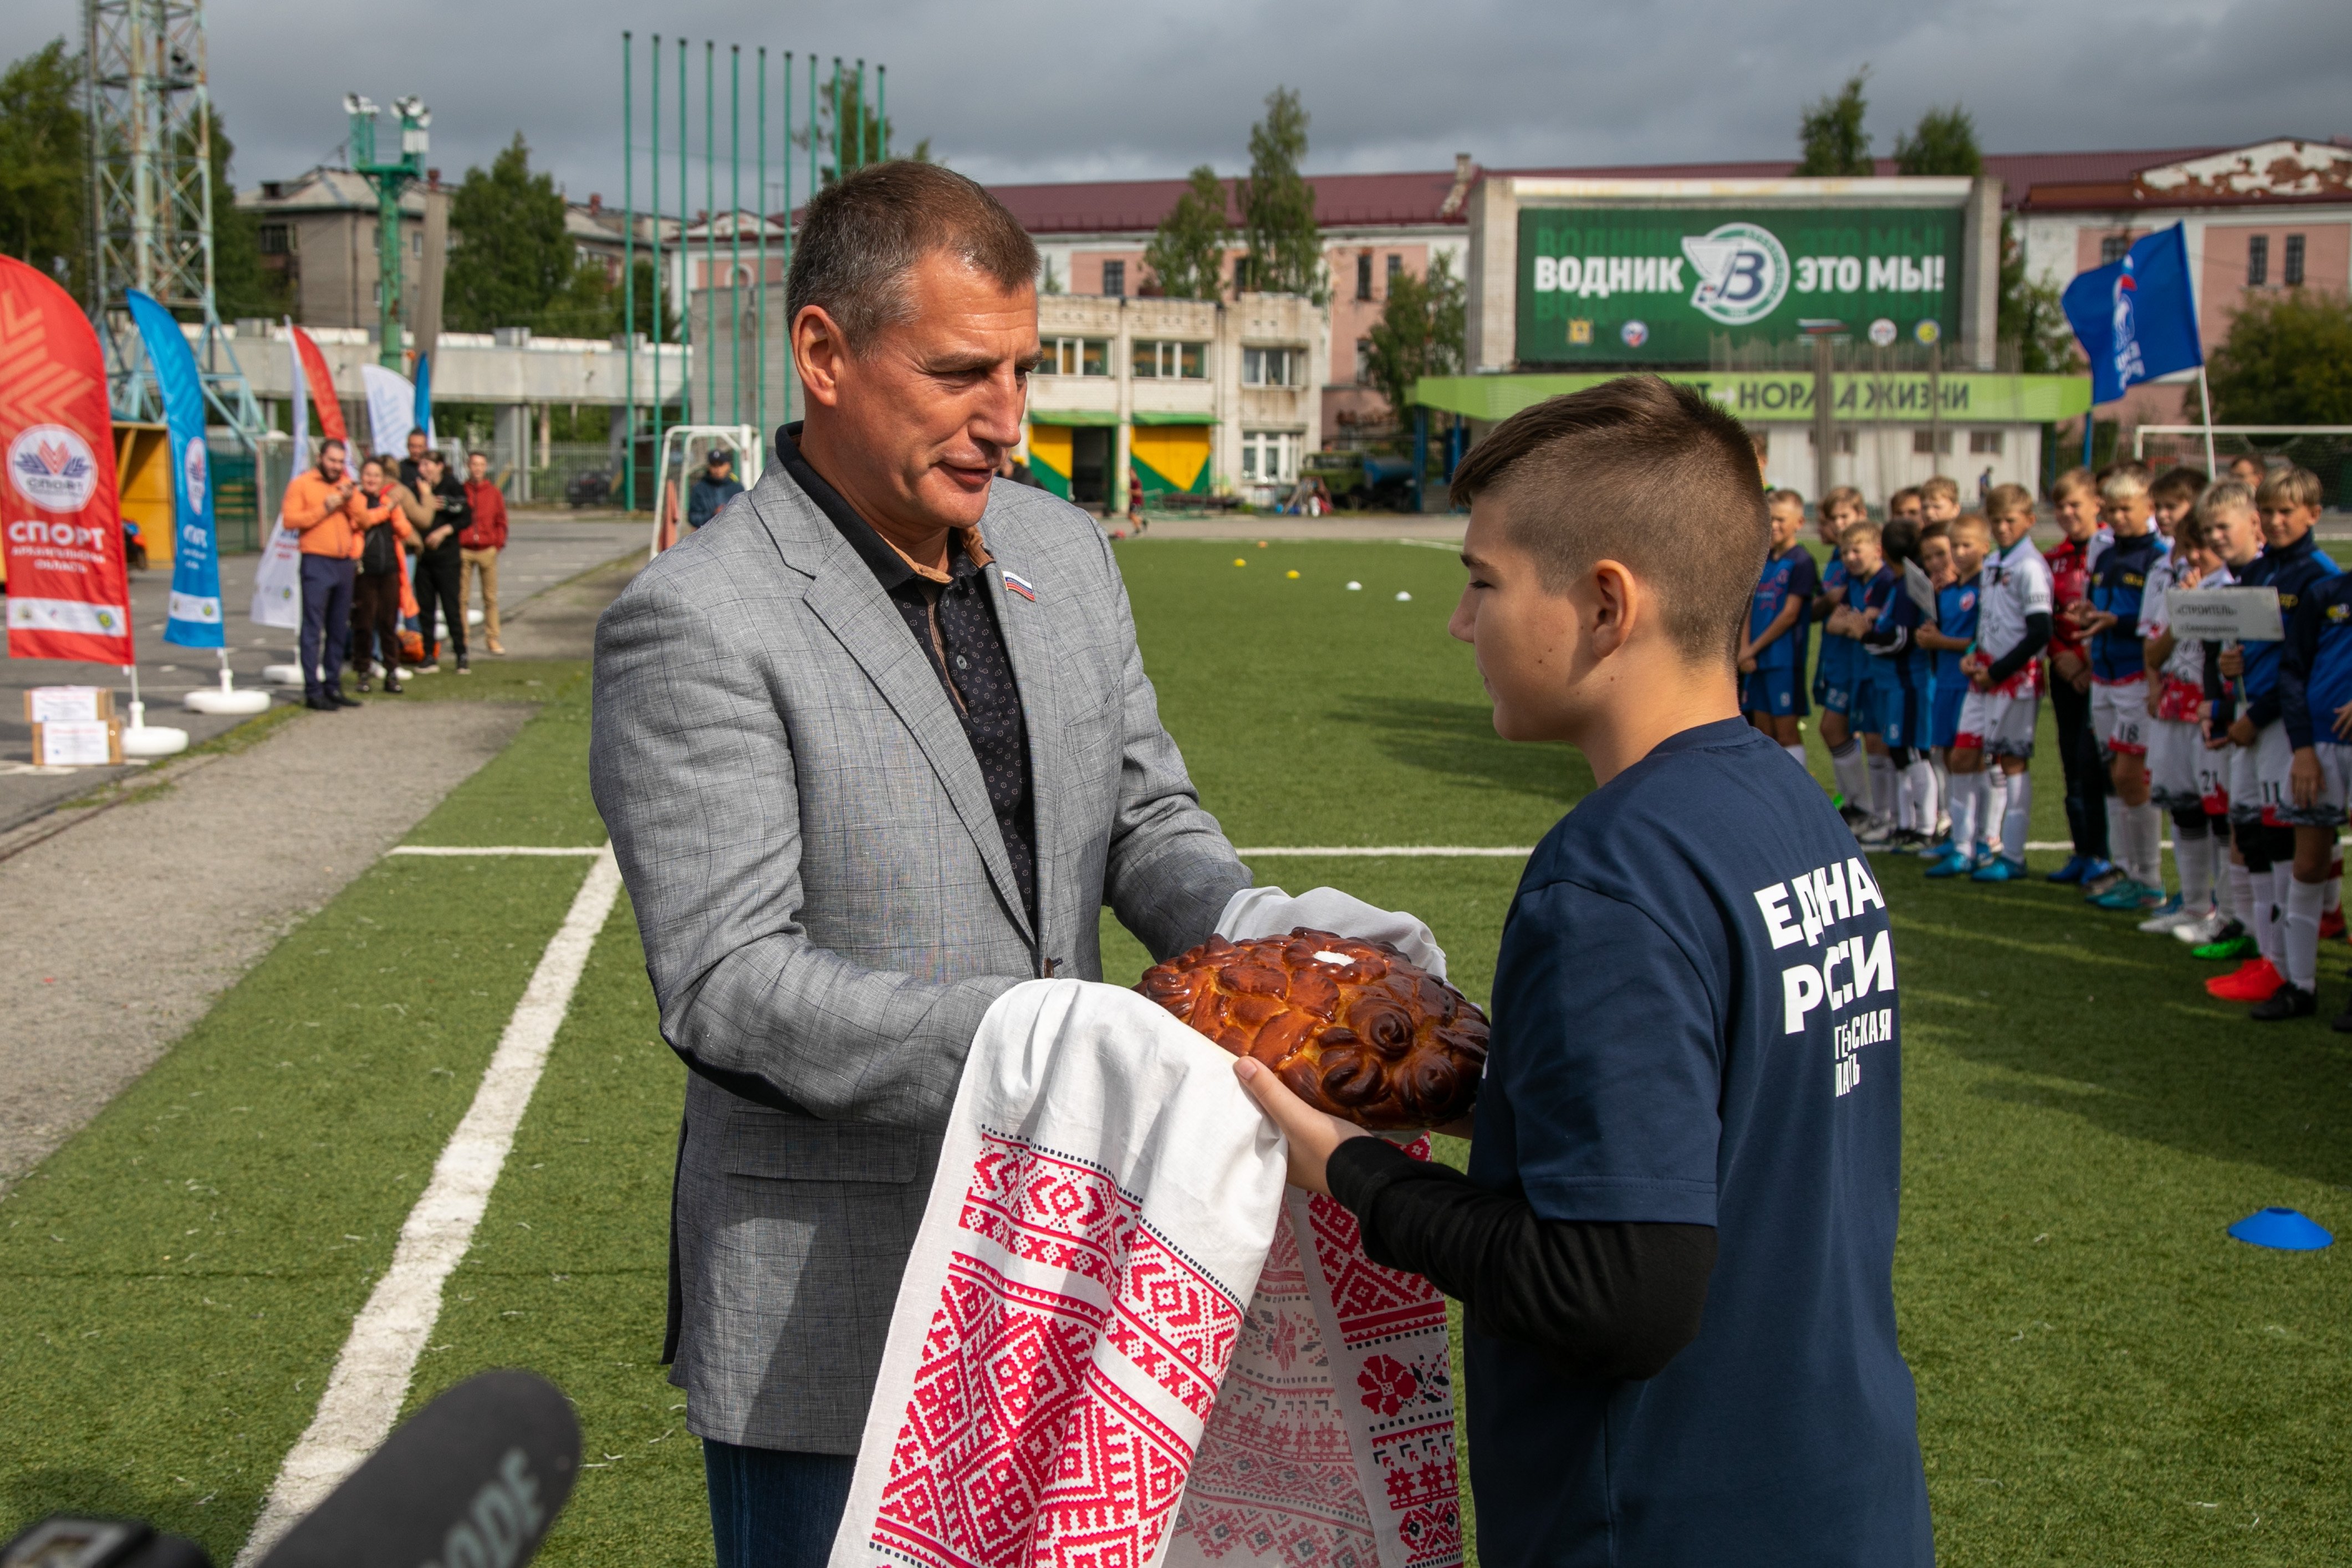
(52, 467)
(1743, 272)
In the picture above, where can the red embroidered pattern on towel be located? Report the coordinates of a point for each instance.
(1032, 1436)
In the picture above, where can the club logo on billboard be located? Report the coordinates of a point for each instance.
(1743, 273)
(1634, 333)
(52, 467)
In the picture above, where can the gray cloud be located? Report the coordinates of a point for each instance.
(1029, 91)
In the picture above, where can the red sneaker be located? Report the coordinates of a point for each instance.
(2331, 923)
(2252, 981)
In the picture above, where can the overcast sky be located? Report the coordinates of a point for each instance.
(1023, 89)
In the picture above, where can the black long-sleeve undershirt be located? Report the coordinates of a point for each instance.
(2037, 637)
(1599, 1301)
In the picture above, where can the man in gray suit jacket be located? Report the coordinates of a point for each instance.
(874, 747)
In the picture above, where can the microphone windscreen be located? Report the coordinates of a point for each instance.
(473, 1480)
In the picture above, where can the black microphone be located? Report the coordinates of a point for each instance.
(472, 1481)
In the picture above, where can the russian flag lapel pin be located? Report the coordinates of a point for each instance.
(1016, 584)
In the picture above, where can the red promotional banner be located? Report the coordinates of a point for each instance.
(322, 388)
(68, 591)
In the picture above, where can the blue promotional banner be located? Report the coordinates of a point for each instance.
(2136, 317)
(194, 618)
(424, 395)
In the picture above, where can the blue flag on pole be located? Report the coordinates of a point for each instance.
(194, 618)
(2136, 317)
(424, 395)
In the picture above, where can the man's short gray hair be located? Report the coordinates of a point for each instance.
(860, 237)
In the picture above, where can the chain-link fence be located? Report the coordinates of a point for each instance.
(577, 474)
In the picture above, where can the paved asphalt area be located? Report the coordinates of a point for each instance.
(542, 549)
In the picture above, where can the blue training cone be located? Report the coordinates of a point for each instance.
(2283, 1229)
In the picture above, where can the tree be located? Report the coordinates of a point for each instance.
(1943, 143)
(2030, 315)
(864, 132)
(1286, 248)
(514, 256)
(1420, 333)
(44, 212)
(592, 305)
(242, 286)
(1187, 256)
(1831, 136)
(2287, 360)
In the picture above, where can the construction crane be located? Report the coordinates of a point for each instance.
(151, 198)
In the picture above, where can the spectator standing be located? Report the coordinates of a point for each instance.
(440, 559)
(479, 542)
(417, 445)
(2076, 498)
(322, 507)
(375, 594)
(717, 486)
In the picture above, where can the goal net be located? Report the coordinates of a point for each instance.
(2325, 449)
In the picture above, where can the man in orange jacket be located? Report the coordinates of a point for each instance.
(322, 507)
(479, 543)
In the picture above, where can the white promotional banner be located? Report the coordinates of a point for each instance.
(392, 408)
(277, 582)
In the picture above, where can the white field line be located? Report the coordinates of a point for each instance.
(559, 850)
(1429, 851)
(372, 1376)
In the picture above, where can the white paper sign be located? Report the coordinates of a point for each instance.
(76, 745)
(66, 705)
(2226, 614)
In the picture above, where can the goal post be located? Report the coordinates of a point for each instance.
(2325, 449)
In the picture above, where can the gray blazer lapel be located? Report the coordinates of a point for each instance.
(1029, 643)
(844, 595)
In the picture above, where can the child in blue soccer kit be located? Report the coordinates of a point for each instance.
(1903, 673)
(1867, 584)
(1771, 654)
(1957, 603)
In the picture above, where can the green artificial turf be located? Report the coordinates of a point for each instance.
(2104, 1376)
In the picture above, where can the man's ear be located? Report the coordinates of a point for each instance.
(1619, 607)
(821, 353)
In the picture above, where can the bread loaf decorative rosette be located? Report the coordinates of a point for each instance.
(1353, 1028)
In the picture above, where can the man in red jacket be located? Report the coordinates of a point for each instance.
(479, 543)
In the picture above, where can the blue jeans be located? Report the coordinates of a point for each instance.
(326, 622)
(771, 1509)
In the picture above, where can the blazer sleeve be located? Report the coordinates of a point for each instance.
(692, 768)
(1171, 870)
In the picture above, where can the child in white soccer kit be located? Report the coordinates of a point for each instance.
(2186, 778)
(2004, 700)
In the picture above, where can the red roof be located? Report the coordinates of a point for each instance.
(1342, 201)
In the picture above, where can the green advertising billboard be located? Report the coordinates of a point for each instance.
(1655, 285)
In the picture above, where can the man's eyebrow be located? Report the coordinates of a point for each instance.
(964, 364)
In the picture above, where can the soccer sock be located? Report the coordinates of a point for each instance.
(1919, 792)
(1796, 755)
(1883, 790)
(2119, 832)
(2333, 884)
(2266, 922)
(1993, 811)
(2017, 815)
(2282, 880)
(2239, 904)
(2301, 944)
(1847, 764)
(2147, 845)
(1967, 789)
(1943, 787)
(2192, 852)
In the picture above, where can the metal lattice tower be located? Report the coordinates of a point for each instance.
(150, 119)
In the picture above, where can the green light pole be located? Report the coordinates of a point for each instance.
(391, 182)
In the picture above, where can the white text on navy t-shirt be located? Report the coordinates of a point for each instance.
(1806, 908)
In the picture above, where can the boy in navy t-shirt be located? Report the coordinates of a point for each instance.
(1771, 654)
(1675, 1243)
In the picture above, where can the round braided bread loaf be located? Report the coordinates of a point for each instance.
(1352, 1027)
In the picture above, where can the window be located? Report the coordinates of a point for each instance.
(1396, 265)
(1273, 366)
(2258, 260)
(1114, 281)
(1171, 361)
(2290, 274)
(1075, 357)
(1843, 446)
(1363, 361)
(2112, 247)
(1243, 280)
(277, 239)
(1923, 441)
(1985, 443)
(1364, 275)
(1270, 456)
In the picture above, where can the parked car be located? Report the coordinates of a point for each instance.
(1363, 480)
(592, 489)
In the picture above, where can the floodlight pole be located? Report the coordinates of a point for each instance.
(685, 269)
(628, 271)
(391, 180)
(710, 202)
(654, 161)
(735, 233)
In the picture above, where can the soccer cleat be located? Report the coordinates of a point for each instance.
(1953, 864)
(2101, 878)
(2072, 870)
(2208, 926)
(1907, 840)
(2331, 925)
(2130, 896)
(2252, 981)
(1998, 868)
(2165, 916)
(2286, 1002)
(2240, 943)
(1876, 834)
(1853, 814)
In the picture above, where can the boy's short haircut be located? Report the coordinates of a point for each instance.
(1898, 541)
(1974, 523)
(1896, 499)
(1842, 497)
(1936, 530)
(2122, 465)
(2181, 484)
(2189, 533)
(1856, 533)
(1941, 484)
(1642, 472)
(2229, 496)
(2123, 482)
(2002, 500)
(1784, 499)
(2288, 487)
(2075, 481)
